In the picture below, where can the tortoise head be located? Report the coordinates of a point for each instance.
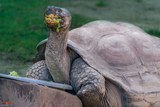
(57, 19)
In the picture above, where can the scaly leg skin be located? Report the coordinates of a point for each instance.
(92, 88)
(39, 71)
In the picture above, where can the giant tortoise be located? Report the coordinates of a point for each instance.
(108, 64)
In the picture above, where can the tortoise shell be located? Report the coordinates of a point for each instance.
(123, 53)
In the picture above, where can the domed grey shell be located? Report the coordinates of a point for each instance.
(121, 52)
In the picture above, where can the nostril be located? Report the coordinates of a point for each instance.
(49, 12)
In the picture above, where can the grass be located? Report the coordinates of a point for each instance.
(154, 32)
(139, 1)
(78, 20)
(22, 26)
(101, 3)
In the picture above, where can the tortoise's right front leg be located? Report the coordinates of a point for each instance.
(92, 88)
(39, 71)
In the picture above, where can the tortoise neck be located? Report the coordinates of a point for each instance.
(57, 56)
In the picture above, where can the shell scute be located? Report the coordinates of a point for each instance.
(116, 51)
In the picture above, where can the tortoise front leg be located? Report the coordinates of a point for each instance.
(92, 88)
(39, 71)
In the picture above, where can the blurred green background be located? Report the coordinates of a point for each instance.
(22, 25)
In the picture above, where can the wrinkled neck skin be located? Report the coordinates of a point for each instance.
(57, 56)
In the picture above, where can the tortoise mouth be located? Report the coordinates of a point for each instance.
(55, 18)
(53, 21)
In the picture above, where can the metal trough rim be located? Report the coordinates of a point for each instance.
(39, 82)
